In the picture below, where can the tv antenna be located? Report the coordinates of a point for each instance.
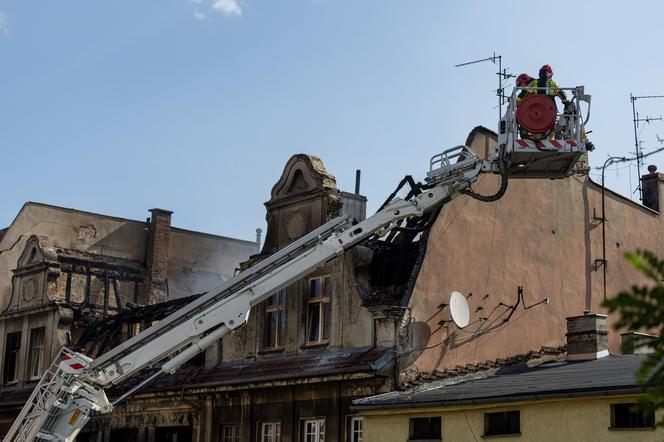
(637, 144)
(502, 75)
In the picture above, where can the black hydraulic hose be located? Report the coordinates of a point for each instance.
(415, 189)
(503, 182)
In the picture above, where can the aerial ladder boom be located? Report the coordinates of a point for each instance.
(73, 387)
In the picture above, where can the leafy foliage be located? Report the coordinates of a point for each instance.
(642, 308)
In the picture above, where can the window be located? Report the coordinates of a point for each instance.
(271, 432)
(632, 415)
(314, 430)
(425, 428)
(319, 309)
(12, 350)
(356, 429)
(36, 362)
(274, 328)
(230, 433)
(504, 422)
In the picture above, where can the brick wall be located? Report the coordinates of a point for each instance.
(157, 256)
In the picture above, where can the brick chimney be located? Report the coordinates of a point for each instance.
(650, 187)
(156, 257)
(587, 337)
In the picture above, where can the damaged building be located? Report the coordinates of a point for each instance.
(374, 320)
(64, 271)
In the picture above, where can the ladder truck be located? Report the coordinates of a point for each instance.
(72, 389)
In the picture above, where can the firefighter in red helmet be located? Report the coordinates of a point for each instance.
(550, 87)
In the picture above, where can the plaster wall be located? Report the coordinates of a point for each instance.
(586, 419)
(543, 235)
(70, 229)
(199, 262)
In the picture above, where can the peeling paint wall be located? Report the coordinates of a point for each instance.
(543, 235)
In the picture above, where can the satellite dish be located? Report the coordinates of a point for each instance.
(459, 309)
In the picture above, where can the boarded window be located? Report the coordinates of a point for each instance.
(12, 351)
(504, 422)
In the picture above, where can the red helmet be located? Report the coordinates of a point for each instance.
(523, 80)
(548, 69)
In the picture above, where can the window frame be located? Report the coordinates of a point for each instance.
(40, 354)
(236, 432)
(509, 430)
(324, 301)
(319, 435)
(276, 437)
(17, 358)
(646, 413)
(351, 429)
(412, 437)
(280, 309)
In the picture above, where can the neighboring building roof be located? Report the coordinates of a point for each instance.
(558, 379)
(480, 130)
(119, 218)
(2, 232)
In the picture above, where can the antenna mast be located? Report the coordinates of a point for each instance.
(637, 144)
(502, 75)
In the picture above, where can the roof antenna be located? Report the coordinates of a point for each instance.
(502, 75)
(637, 143)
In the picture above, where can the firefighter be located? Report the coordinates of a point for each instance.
(523, 80)
(550, 87)
(552, 90)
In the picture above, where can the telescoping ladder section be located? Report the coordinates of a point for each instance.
(47, 400)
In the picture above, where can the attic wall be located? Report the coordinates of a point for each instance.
(200, 262)
(541, 235)
(68, 229)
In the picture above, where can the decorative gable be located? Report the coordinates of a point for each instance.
(37, 265)
(304, 197)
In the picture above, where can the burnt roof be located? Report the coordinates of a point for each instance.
(608, 375)
(267, 369)
(237, 373)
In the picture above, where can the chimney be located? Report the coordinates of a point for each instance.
(156, 258)
(635, 343)
(650, 188)
(259, 237)
(587, 337)
(354, 204)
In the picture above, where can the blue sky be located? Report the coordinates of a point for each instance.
(117, 107)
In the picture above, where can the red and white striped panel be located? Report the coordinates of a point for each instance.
(545, 144)
(72, 364)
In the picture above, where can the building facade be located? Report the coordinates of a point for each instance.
(63, 271)
(374, 320)
(589, 395)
